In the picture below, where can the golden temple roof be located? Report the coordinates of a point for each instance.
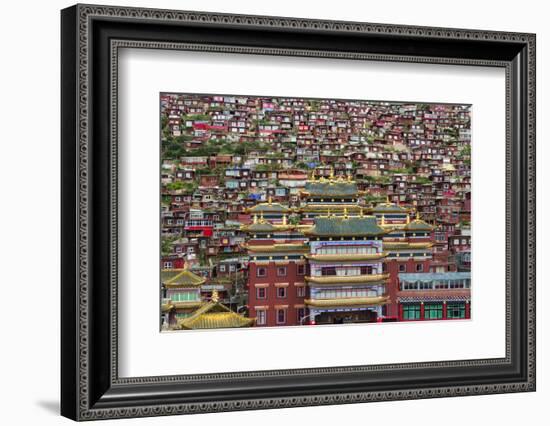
(268, 207)
(348, 301)
(173, 278)
(346, 257)
(214, 315)
(347, 279)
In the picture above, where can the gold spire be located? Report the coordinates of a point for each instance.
(387, 199)
(383, 221)
(331, 175)
(284, 219)
(215, 296)
(328, 212)
(185, 266)
(255, 219)
(270, 200)
(361, 214)
(345, 212)
(262, 217)
(349, 178)
(408, 219)
(417, 215)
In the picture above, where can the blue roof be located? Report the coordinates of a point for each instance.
(435, 276)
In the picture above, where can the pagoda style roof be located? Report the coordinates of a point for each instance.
(347, 279)
(214, 315)
(259, 227)
(345, 257)
(388, 207)
(262, 225)
(331, 188)
(349, 301)
(342, 226)
(269, 207)
(418, 225)
(174, 278)
(262, 248)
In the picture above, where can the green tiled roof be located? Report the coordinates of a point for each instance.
(261, 227)
(388, 208)
(418, 225)
(342, 226)
(331, 188)
(269, 207)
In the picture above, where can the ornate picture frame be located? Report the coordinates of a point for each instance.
(91, 37)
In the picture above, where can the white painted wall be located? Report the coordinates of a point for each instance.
(29, 213)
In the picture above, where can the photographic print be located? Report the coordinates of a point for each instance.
(279, 211)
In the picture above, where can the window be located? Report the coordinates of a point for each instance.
(168, 265)
(411, 311)
(433, 311)
(222, 268)
(301, 269)
(300, 291)
(281, 316)
(281, 271)
(456, 310)
(419, 267)
(328, 271)
(260, 293)
(261, 272)
(402, 267)
(261, 317)
(281, 292)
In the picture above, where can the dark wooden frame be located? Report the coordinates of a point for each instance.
(90, 386)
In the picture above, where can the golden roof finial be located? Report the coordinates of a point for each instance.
(270, 200)
(185, 266)
(255, 219)
(383, 221)
(215, 296)
(408, 219)
(361, 213)
(284, 219)
(417, 215)
(331, 175)
(262, 217)
(387, 199)
(328, 212)
(349, 178)
(345, 212)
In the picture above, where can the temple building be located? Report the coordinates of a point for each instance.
(181, 295)
(214, 314)
(346, 282)
(434, 296)
(324, 195)
(276, 271)
(270, 211)
(390, 214)
(410, 250)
